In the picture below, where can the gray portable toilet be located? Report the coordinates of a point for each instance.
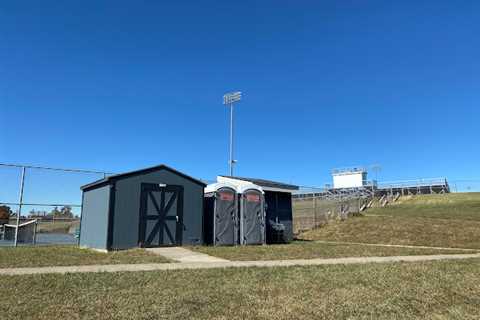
(252, 214)
(278, 206)
(221, 215)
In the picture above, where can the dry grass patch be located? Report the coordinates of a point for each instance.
(70, 256)
(401, 230)
(450, 220)
(311, 250)
(455, 206)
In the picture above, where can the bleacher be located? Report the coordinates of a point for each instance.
(413, 187)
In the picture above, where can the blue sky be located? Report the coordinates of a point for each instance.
(120, 85)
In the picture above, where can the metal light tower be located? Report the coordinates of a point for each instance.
(229, 99)
(376, 168)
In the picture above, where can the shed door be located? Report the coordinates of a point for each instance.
(161, 215)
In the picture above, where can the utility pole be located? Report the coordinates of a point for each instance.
(20, 202)
(228, 100)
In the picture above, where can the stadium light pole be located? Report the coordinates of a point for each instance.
(229, 99)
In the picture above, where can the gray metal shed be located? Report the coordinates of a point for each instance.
(157, 206)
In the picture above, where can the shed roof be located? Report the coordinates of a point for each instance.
(114, 177)
(265, 183)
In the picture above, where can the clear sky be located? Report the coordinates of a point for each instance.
(121, 85)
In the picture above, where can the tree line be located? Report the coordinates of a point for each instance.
(63, 212)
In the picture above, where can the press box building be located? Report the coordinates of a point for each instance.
(354, 177)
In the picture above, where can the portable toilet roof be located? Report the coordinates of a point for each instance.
(265, 185)
(240, 185)
(251, 186)
(218, 185)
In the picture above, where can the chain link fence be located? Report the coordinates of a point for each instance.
(52, 197)
(313, 208)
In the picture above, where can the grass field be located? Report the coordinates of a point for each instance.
(69, 256)
(433, 290)
(451, 220)
(310, 250)
(428, 290)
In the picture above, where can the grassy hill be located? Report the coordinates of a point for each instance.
(463, 206)
(450, 220)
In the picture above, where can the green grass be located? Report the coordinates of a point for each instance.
(431, 290)
(69, 256)
(451, 220)
(400, 230)
(310, 250)
(428, 290)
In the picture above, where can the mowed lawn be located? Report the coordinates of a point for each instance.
(311, 250)
(451, 220)
(430, 290)
(70, 256)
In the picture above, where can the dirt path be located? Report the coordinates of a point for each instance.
(231, 264)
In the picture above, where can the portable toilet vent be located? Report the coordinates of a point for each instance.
(221, 215)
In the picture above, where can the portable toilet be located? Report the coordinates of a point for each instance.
(278, 206)
(221, 215)
(252, 214)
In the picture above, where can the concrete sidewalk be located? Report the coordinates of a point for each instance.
(231, 264)
(184, 255)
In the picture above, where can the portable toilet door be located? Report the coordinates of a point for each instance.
(252, 215)
(223, 220)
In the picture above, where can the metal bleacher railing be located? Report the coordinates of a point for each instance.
(413, 183)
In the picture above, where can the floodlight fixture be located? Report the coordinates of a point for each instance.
(232, 97)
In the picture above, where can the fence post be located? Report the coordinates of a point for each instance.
(314, 211)
(35, 232)
(20, 202)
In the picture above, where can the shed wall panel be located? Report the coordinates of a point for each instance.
(279, 209)
(94, 222)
